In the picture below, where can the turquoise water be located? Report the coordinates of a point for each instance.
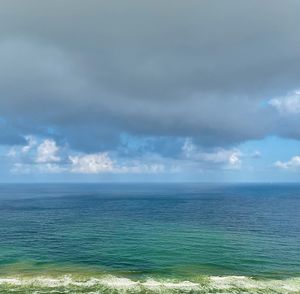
(177, 238)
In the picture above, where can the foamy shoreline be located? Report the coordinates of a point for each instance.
(104, 284)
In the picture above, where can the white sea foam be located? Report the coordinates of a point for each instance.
(213, 284)
(241, 282)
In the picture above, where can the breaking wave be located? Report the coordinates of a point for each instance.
(113, 284)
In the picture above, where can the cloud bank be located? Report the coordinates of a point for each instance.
(86, 74)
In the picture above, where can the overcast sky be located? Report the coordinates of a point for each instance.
(149, 90)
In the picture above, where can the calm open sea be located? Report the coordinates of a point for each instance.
(142, 238)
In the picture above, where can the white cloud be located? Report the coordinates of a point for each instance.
(20, 168)
(31, 143)
(27, 168)
(289, 104)
(293, 163)
(91, 163)
(15, 152)
(47, 152)
(228, 158)
(47, 157)
(102, 163)
(234, 159)
(50, 168)
(141, 167)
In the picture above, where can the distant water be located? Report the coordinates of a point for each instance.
(159, 238)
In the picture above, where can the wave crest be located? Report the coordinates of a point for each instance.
(109, 284)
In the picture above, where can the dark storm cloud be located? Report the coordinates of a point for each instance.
(88, 71)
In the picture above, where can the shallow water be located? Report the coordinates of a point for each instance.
(150, 238)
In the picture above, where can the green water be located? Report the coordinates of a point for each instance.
(149, 238)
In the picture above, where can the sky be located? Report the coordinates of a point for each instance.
(149, 91)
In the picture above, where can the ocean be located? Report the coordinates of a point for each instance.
(149, 238)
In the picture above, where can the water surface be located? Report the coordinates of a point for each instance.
(87, 238)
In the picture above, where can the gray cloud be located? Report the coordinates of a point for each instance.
(86, 72)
